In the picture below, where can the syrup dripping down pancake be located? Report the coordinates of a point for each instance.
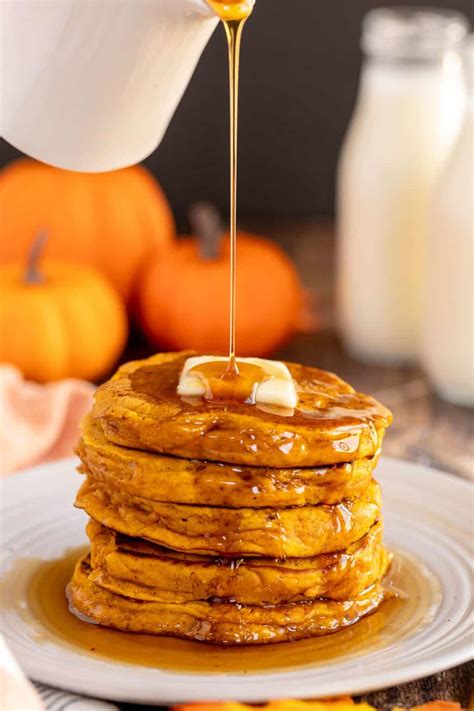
(221, 623)
(141, 570)
(192, 481)
(297, 532)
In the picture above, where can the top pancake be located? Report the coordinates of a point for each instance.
(140, 408)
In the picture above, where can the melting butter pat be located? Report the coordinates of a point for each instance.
(267, 382)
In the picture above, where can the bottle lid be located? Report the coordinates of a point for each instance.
(412, 33)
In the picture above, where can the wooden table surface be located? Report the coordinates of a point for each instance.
(425, 429)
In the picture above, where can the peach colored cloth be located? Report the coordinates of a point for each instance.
(38, 423)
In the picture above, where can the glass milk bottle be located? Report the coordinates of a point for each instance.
(448, 328)
(407, 114)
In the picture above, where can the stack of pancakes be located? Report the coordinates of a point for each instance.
(228, 522)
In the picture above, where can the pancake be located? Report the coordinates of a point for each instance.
(140, 408)
(144, 571)
(166, 478)
(222, 623)
(297, 532)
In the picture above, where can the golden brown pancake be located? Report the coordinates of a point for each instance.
(222, 623)
(144, 571)
(298, 532)
(191, 481)
(140, 408)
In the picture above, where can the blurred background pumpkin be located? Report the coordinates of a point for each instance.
(183, 299)
(111, 221)
(112, 248)
(59, 320)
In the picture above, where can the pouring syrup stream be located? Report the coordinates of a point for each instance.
(233, 14)
(233, 30)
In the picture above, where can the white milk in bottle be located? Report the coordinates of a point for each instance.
(407, 115)
(448, 328)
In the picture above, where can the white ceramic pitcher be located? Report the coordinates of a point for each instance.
(91, 85)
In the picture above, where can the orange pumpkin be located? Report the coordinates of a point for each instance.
(183, 300)
(63, 320)
(342, 704)
(111, 221)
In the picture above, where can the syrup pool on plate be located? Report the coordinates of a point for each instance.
(399, 617)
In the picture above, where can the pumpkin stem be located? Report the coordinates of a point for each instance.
(207, 226)
(32, 273)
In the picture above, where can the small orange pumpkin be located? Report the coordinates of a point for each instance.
(344, 703)
(62, 321)
(111, 221)
(184, 298)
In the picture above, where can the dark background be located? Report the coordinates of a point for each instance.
(298, 85)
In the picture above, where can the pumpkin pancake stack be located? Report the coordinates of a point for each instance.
(229, 523)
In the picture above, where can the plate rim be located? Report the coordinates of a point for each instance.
(333, 689)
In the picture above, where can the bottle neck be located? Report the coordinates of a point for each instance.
(412, 34)
(424, 100)
(393, 77)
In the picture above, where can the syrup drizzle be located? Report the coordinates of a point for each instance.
(233, 380)
(233, 31)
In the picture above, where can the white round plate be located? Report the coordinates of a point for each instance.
(428, 515)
